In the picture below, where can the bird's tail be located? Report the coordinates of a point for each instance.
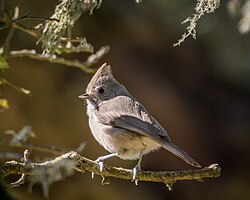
(180, 153)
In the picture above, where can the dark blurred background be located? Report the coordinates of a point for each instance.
(200, 92)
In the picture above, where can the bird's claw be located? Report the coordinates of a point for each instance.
(134, 174)
(101, 164)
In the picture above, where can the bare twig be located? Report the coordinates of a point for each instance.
(17, 88)
(35, 32)
(26, 16)
(8, 39)
(83, 164)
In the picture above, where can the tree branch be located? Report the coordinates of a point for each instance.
(17, 88)
(84, 66)
(83, 164)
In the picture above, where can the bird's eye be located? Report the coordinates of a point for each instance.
(101, 90)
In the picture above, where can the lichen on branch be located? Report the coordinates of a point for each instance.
(66, 163)
(202, 7)
(67, 12)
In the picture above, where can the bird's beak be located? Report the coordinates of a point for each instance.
(84, 96)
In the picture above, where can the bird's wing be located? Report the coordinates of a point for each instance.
(127, 113)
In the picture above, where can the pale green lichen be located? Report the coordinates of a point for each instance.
(202, 7)
(67, 12)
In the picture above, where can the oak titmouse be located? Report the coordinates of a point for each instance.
(121, 124)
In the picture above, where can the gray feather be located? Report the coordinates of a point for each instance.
(130, 115)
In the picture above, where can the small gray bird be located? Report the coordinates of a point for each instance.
(121, 124)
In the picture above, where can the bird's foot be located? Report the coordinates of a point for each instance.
(100, 162)
(135, 172)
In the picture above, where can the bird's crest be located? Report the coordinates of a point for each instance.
(101, 75)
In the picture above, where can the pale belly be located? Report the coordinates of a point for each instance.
(128, 145)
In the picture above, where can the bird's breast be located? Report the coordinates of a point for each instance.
(129, 145)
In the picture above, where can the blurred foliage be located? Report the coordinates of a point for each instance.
(3, 63)
(242, 9)
(21, 137)
(3, 104)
